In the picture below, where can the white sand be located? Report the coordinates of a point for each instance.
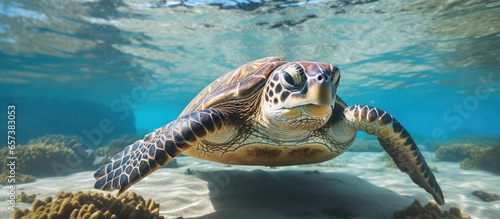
(363, 187)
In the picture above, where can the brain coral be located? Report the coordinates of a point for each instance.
(91, 205)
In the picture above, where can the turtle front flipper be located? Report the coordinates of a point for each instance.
(398, 143)
(158, 148)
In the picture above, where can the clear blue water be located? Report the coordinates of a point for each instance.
(100, 69)
(434, 65)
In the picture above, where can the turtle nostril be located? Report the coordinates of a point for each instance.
(322, 78)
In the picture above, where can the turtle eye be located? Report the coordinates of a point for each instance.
(288, 78)
(293, 80)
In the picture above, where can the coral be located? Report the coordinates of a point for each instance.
(44, 160)
(19, 177)
(366, 144)
(91, 205)
(479, 140)
(58, 140)
(484, 159)
(485, 196)
(471, 156)
(429, 211)
(74, 143)
(51, 155)
(23, 197)
(455, 152)
(114, 146)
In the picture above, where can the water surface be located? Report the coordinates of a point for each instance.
(432, 64)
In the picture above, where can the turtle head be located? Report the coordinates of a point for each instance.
(300, 95)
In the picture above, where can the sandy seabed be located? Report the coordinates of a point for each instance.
(361, 188)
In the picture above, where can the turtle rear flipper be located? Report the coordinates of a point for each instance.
(398, 143)
(158, 148)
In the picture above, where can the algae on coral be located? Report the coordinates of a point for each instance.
(471, 157)
(51, 155)
(74, 143)
(45, 160)
(23, 197)
(92, 205)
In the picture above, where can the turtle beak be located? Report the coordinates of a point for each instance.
(317, 91)
(315, 99)
(317, 96)
(320, 90)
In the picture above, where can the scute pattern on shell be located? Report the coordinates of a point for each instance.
(237, 84)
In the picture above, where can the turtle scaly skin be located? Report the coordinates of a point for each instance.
(398, 143)
(273, 113)
(143, 157)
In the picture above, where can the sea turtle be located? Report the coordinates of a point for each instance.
(268, 112)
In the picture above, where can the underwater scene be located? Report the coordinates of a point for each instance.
(362, 109)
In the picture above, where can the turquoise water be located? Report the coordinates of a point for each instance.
(101, 69)
(418, 60)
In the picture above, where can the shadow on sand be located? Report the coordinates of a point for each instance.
(297, 194)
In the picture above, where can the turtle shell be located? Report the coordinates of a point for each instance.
(240, 83)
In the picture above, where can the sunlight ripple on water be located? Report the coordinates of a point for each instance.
(418, 52)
